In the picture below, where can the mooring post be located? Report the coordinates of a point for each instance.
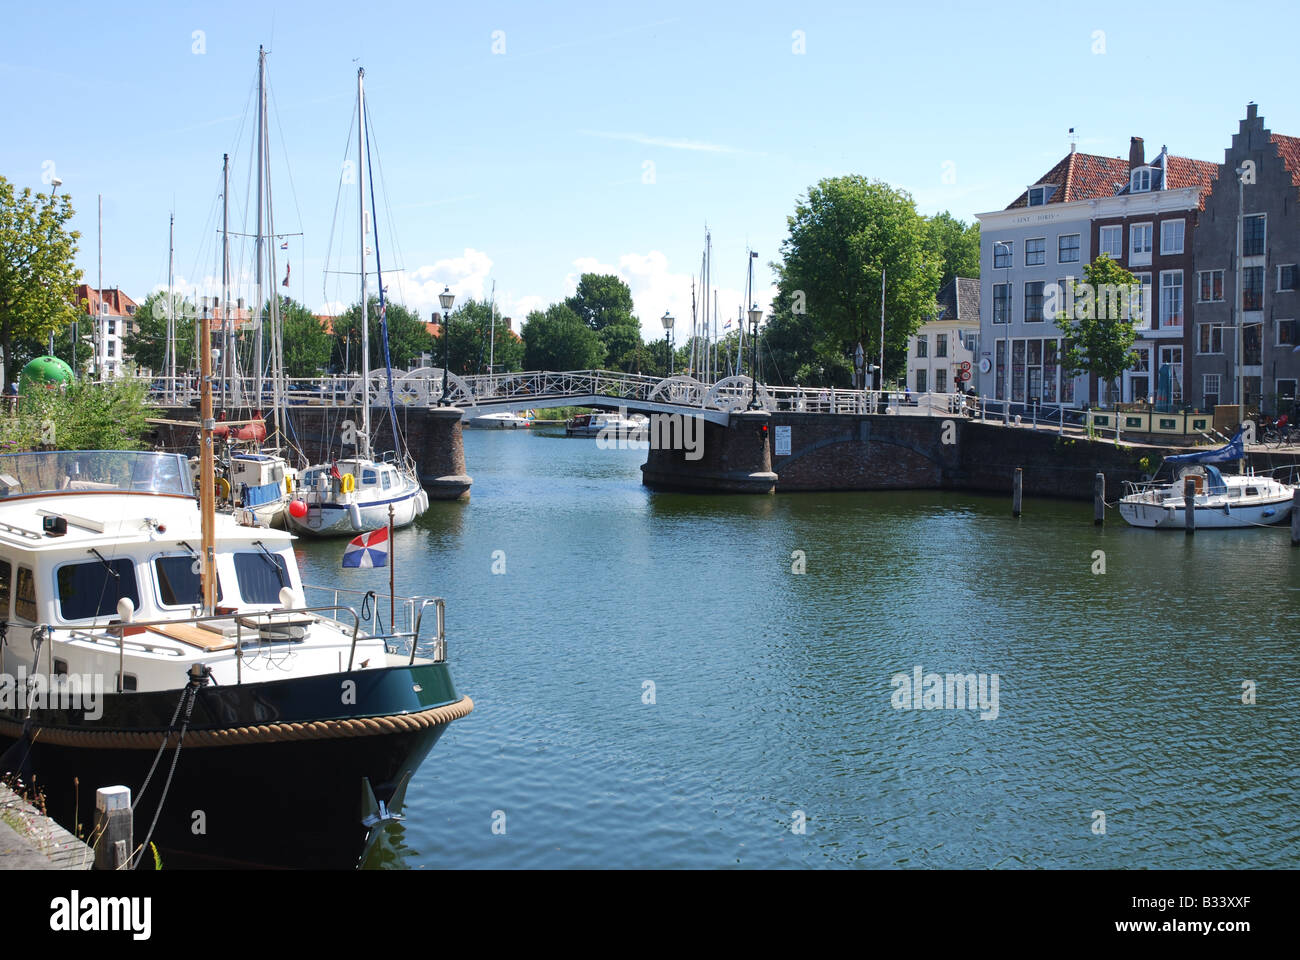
(1295, 518)
(1099, 499)
(1017, 486)
(113, 827)
(1189, 504)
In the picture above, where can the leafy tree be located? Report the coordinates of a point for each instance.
(559, 340)
(85, 416)
(37, 268)
(408, 337)
(840, 237)
(307, 344)
(469, 329)
(624, 349)
(147, 344)
(601, 300)
(1097, 321)
(796, 353)
(957, 246)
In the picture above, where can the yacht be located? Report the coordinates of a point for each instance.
(354, 495)
(612, 425)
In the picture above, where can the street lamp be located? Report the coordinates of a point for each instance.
(446, 299)
(755, 315)
(1006, 356)
(55, 183)
(668, 320)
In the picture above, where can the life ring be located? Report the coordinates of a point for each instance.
(348, 483)
(223, 488)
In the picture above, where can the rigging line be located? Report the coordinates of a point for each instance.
(383, 305)
(284, 147)
(388, 210)
(329, 248)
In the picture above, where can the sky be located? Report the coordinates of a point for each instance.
(521, 145)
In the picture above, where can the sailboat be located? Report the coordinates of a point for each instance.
(360, 493)
(290, 731)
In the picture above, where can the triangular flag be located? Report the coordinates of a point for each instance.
(368, 550)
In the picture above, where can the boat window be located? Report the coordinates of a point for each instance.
(25, 595)
(368, 477)
(1252, 491)
(92, 589)
(261, 576)
(6, 587)
(179, 582)
(388, 480)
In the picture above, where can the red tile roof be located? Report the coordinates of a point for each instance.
(119, 304)
(1087, 176)
(1288, 148)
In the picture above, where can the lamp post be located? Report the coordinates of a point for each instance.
(445, 299)
(55, 183)
(1006, 356)
(668, 320)
(755, 315)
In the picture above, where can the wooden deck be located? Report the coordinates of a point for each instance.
(31, 841)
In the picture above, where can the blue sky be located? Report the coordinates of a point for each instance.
(603, 137)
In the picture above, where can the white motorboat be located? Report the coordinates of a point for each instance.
(1220, 502)
(609, 425)
(500, 421)
(354, 495)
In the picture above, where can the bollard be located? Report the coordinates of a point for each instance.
(1189, 504)
(113, 828)
(1295, 517)
(1099, 499)
(1017, 487)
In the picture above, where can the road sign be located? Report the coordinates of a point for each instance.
(964, 376)
(965, 365)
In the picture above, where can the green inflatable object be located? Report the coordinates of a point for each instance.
(44, 373)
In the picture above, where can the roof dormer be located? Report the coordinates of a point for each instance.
(1040, 193)
(1139, 180)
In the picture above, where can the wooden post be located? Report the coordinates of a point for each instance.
(1099, 499)
(1017, 486)
(113, 827)
(1295, 518)
(1189, 505)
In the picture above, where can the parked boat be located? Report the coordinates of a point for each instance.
(1220, 501)
(611, 425)
(501, 421)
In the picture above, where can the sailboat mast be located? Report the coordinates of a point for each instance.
(258, 248)
(207, 472)
(171, 309)
(492, 335)
(361, 210)
(225, 278)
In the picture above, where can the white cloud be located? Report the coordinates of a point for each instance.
(670, 143)
(466, 276)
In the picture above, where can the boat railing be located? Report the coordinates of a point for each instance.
(408, 611)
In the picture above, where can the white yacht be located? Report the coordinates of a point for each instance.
(354, 495)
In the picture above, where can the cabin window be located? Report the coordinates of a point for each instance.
(179, 582)
(368, 477)
(261, 576)
(388, 480)
(60, 667)
(1252, 491)
(129, 682)
(6, 587)
(25, 595)
(92, 589)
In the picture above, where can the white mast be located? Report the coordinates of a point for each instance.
(258, 249)
(361, 208)
(225, 280)
(171, 310)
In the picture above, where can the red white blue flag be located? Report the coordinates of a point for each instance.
(368, 550)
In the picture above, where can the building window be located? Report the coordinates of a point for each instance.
(1252, 283)
(1141, 311)
(1285, 277)
(1112, 242)
(920, 381)
(1209, 286)
(1140, 180)
(940, 385)
(1034, 302)
(1036, 252)
(1067, 248)
(923, 345)
(1252, 237)
(1040, 195)
(1139, 243)
(941, 344)
(1171, 298)
(1171, 236)
(1001, 302)
(1209, 338)
(1000, 370)
(1002, 253)
(1210, 390)
(1285, 393)
(1286, 333)
(112, 345)
(1173, 358)
(1252, 344)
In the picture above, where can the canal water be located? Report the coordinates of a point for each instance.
(655, 686)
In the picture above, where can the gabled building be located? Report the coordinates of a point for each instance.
(1270, 298)
(945, 342)
(111, 314)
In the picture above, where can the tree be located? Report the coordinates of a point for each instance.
(408, 337)
(147, 344)
(470, 329)
(842, 234)
(559, 340)
(25, 349)
(85, 415)
(601, 300)
(1096, 317)
(37, 268)
(623, 345)
(307, 344)
(957, 246)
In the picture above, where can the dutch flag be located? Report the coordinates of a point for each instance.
(368, 550)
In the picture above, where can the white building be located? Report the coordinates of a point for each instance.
(948, 344)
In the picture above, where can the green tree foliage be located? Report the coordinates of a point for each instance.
(83, 415)
(307, 344)
(559, 340)
(604, 303)
(840, 237)
(957, 245)
(469, 331)
(1098, 323)
(37, 268)
(408, 337)
(147, 344)
(26, 349)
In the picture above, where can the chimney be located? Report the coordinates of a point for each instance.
(1136, 153)
(1251, 110)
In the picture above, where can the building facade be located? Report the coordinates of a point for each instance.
(940, 347)
(1268, 364)
(110, 314)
